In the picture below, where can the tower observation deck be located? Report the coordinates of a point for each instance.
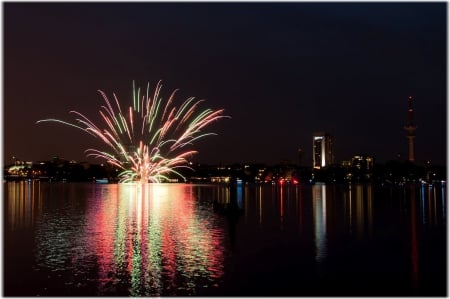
(410, 128)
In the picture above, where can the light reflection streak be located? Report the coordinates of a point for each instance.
(435, 209)
(260, 204)
(429, 204)
(320, 225)
(288, 201)
(239, 195)
(281, 203)
(422, 199)
(350, 210)
(24, 203)
(370, 209)
(137, 240)
(300, 209)
(359, 211)
(153, 234)
(414, 240)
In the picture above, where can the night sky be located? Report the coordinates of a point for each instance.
(281, 71)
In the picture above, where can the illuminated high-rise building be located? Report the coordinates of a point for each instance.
(363, 162)
(410, 129)
(362, 167)
(322, 150)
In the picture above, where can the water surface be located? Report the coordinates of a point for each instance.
(81, 239)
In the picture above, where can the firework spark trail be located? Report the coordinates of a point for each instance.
(155, 150)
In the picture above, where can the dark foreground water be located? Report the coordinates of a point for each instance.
(73, 239)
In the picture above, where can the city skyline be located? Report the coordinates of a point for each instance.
(280, 70)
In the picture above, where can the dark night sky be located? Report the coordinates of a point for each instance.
(281, 70)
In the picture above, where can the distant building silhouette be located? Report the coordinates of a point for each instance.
(410, 129)
(363, 162)
(322, 150)
(362, 167)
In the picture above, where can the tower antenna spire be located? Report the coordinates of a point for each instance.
(410, 128)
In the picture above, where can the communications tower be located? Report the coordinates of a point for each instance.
(410, 128)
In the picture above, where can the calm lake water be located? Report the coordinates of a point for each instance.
(83, 239)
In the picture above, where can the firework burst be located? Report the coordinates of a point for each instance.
(150, 140)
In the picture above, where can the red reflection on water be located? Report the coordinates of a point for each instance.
(102, 224)
(414, 241)
(155, 235)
